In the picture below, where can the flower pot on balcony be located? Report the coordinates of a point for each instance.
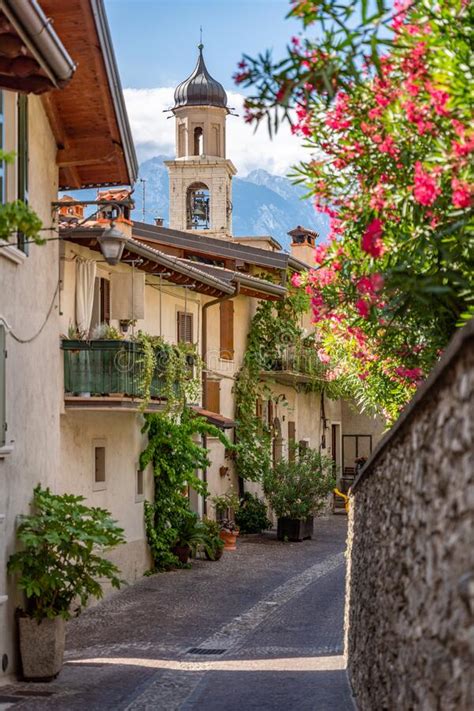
(42, 647)
(294, 529)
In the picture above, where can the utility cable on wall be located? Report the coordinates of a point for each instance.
(38, 333)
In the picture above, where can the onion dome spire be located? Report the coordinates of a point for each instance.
(200, 89)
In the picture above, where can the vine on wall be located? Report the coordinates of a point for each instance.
(175, 456)
(276, 341)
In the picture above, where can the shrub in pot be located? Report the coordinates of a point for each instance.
(191, 534)
(60, 564)
(213, 544)
(229, 532)
(297, 491)
(251, 516)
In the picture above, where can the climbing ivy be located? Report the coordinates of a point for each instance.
(175, 456)
(177, 364)
(276, 341)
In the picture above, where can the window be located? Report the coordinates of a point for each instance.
(213, 396)
(139, 488)
(227, 330)
(3, 353)
(101, 306)
(198, 141)
(184, 327)
(99, 456)
(22, 161)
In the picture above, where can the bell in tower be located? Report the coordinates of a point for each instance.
(201, 175)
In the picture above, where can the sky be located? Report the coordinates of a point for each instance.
(155, 43)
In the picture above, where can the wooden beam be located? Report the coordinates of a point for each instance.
(85, 151)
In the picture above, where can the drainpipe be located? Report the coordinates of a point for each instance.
(204, 309)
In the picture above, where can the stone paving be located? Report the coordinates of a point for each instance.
(273, 610)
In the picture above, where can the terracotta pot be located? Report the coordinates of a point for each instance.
(42, 647)
(182, 553)
(230, 540)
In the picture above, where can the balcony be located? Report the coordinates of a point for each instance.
(107, 375)
(293, 365)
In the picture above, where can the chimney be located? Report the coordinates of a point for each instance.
(159, 221)
(303, 242)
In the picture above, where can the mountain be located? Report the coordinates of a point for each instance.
(263, 204)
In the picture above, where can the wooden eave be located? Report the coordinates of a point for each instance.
(151, 264)
(32, 56)
(88, 117)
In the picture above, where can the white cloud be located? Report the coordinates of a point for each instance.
(153, 132)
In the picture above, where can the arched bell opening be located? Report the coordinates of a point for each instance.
(198, 207)
(198, 141)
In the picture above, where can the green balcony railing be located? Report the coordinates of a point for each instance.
(106, 367)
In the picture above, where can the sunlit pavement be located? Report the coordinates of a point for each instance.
(265, 626)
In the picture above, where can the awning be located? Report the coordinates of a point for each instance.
(214, 418)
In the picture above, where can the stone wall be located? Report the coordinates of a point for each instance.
(410, 587)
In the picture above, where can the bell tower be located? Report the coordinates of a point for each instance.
(201, 175)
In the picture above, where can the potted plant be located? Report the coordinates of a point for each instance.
(213, 544)
(297, 490)
(59, 566)
(229, 532)
(226, 505)
(251, 516)
(191, 533)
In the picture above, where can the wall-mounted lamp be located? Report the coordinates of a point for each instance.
(112, 242)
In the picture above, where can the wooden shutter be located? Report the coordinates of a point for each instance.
(22, 161)
(213, 396)
(270, 413)
(227, 330)
(291, 441)
(185, 327)
(3, 354)
(104, 301)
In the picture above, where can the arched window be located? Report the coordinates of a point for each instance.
(198, 141)
(198, 207)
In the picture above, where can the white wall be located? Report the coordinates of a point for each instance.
(33, 381)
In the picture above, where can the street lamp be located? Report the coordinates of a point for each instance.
(112, 242)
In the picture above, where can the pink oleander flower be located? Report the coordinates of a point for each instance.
(320, 253)
(462, 193)
(370, 285)
(409, 373)
(296, 279)
(425, 189)
(439, 98)
(323, 356)
(463, 148)
(372, 239)
(363, 308)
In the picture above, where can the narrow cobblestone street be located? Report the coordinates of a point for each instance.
(276, 611)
